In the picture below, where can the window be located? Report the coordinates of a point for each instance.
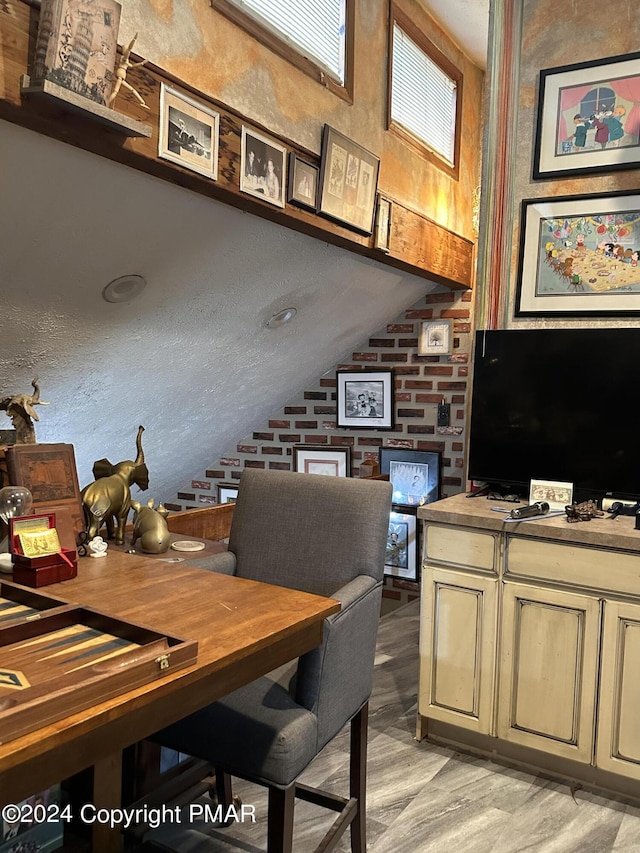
(315, 35)
(424, 93)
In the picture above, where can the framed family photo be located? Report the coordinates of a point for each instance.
(348, 181)
(579, 256)
(588, 118)
(414, 475)
(188, 133)
(401, 557)
(365, 399)
(303, 182)
(314, 459)
(263, 166)
(435, 337)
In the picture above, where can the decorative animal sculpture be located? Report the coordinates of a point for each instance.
(109, 495)
(19, 407)
(584, 511)
(150, 526)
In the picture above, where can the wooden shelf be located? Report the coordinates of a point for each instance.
(52, 92)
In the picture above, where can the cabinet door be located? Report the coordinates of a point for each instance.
(548, 670)
(457, 648)
(618, 735)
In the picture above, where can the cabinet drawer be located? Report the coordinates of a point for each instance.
(577, 565)
(457, 546)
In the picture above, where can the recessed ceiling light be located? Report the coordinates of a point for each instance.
(124, 289)
(282, 317)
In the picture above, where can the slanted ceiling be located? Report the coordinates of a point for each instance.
(191, 358)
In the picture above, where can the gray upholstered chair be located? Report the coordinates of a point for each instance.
(325, 535)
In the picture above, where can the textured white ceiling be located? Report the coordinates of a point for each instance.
(467, 22)
(190, 359)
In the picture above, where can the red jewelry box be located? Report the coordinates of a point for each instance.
(39, 571)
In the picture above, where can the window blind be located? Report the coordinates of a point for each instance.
(315, 28)
(423, 97)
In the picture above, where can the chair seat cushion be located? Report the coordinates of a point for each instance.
(257, 732)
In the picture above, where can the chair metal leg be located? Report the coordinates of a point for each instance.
(224, 793)
(280, 832)
(358, 778)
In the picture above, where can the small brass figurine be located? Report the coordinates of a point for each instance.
(19, 407)
(584, 511)
(150, 526)
(109, 495)
(121, 73)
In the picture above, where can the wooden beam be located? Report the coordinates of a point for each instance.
(417, 244)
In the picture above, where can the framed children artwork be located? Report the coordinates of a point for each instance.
(365, 399)
(314, 459)
(414, 475)
(188, 133)
(579, 256)
(401, 556)
(588, 118)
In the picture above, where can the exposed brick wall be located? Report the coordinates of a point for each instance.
(421, 382)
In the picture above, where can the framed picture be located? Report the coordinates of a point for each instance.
(579, 255)
(365, 399)
(188, 133)
(414, 475)
(401, 557)
(315, 459)
(557, 495)
(227, 493)
(303, 183)
(383, 224)
(435, 337)
(263, 166)
(348, 181)
(588, 118)
(49, 472)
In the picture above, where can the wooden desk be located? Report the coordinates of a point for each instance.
(243, 628)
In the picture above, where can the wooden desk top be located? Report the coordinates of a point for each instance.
(243, 628)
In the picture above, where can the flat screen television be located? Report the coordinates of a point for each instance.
(557, 404)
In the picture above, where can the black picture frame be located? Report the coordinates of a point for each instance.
(415, 475)
(365, 399)
(348, 181)
(574, 102)
(302, 188)
(402, 554)
(327, 460)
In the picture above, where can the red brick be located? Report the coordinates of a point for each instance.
(290, 438)
(382, 342)
(342, 440)
(316, 439)
(214, 474)
(418, 383)
(404, 398)
(280, 466)
(254, 463)
(279, 424)
(410, 413)
(295, 410)
(422, 429)
(428, 398)
(440, 296)
(389, 593)
(328, 383)
(263, 436)
(204, 485)
(324, 410)
(407, 371)
(186, 496)
(456, 313)
(394, 357)
(399, 442)
(207, 499)
(315, 395)
(402, 583)
(438, 370)
(457, 446)
(457, 398)
(365, 356)
(369, 441)
(173, 507)
(400, 328)
(246, 448)
(408, 343)
(452, 386)
(272, 451)
(419, 314)
(329, 425)
(463, 371)
(230, 461)
(306, 424)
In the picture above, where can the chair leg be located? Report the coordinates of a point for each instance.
(358, 778)
(280, 832)
(224, 793)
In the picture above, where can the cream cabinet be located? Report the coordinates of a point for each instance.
(530, 639)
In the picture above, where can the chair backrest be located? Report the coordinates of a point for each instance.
(309, 532)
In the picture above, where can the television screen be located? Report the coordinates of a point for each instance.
(557, 404)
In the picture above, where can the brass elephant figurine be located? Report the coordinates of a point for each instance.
(109, 495)
(150, 526)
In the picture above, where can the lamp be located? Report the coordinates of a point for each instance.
(124, 289)
(282, 317)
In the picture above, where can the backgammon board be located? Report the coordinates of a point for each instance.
(58, 660)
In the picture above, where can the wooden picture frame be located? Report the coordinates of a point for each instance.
(365, 399)
(435, 337)
(257, 177)
(319, 459)
(579, 256)
(348, 181)
(49, 472)
(188, 133)
(383, 224)
(402, 552)
(588, 118)
(303, 183)
(415, 475)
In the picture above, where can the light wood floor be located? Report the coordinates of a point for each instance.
(424, 798)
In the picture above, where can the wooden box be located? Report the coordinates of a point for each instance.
(39, 571)
(20, 604)
(72, 659)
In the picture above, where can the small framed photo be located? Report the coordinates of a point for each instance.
(188, 133)
(401, 557)
(557, 495)
(587, 118)
(227, 493)
(435, 337)
(365, 399)
(414, 475)
(303, 183)
(316, 459)
(383, 224)
(263, 165)
(348, 181)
